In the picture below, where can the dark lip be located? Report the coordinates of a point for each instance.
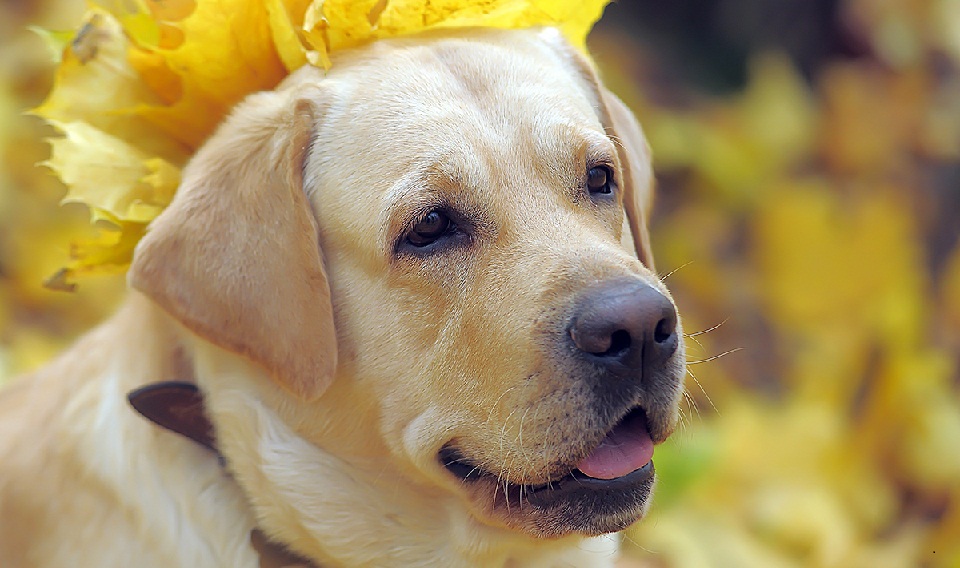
(574, 482)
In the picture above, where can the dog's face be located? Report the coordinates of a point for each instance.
(475, 203)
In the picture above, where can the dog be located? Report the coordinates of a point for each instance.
(414, 297)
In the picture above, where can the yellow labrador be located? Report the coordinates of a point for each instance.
(417, 297)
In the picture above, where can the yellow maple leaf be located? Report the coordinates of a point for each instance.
(286, 25)
(95, 84)
(226, 52)
(109, 252)
(336, 24)
(110, 175)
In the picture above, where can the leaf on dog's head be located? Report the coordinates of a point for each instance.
(226, 51)
(286, 25)
(96, 84)
(144, 82)
(336, 24)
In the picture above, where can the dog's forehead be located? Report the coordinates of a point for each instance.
(499, 91)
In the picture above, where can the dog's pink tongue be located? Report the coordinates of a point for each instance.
(626, 448)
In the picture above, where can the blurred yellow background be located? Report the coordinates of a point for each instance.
(808, 162)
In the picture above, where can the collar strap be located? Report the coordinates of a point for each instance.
(178, 407)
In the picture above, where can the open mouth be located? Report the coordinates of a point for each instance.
(622, 461)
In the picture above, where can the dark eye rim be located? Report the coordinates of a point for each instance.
(608, 188)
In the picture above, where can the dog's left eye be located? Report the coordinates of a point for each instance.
(598, 180)
(431, 227)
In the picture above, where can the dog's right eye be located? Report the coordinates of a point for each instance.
(431, 227)
(598, 181)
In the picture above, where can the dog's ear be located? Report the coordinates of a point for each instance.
(632, 148)
(235, 257)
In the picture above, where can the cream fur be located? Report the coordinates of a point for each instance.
(335, 368)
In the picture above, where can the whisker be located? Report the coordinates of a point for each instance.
(523, 452)
(520, 495)
(694, 335)
(494, 407)
(710, 400)
(500, 479)
(637, 544)
(685, 415)
(697, 341)
(691, 401)
(682, 419)
(715, 357)
(708, 330)
(469, 473)
(615, 139)
(501, 482)
(672, 272)
(503, 430)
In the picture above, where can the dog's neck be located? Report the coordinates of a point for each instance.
(179, 408)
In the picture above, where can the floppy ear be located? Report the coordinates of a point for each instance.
(235, 257)
(632, 147)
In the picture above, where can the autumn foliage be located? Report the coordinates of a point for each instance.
(809, 224)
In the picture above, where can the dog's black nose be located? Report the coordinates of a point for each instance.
(625, 326)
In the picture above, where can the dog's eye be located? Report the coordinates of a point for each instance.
(434, 225)
(598, 180)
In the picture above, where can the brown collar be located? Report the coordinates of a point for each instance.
(179, 407)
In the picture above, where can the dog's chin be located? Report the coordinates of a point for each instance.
(570, 503)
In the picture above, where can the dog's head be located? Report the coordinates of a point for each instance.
(445, 236)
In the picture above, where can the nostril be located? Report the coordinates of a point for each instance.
(619, 344)
(601, 344)
(664, 330)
